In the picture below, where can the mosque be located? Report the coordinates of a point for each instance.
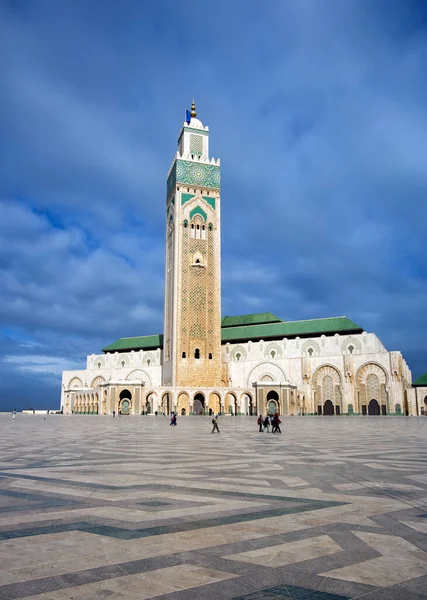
(206, 363)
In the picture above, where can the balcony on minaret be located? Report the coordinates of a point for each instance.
(197, 261)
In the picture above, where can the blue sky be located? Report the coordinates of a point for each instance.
(318, 111)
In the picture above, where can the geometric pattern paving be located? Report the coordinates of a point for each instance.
(130, 508)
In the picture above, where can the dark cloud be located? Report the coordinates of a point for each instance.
(317, 111)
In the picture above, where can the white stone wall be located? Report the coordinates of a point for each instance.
(119, 366)
(295, 362)
(420, 399)
(291, 362)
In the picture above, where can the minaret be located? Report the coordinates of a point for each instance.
(192, 320)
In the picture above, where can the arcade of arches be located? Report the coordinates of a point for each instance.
(370, 396)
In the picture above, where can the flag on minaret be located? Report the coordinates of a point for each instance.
(187, 116)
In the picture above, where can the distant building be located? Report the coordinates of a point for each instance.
(248, 364)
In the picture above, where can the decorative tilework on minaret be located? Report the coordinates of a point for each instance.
(192, 318)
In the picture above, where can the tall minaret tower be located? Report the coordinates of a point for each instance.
(192, 322)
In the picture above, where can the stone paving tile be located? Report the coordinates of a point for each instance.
(95, 508)
(291, 552)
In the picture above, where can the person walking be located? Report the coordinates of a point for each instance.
(260, 423)
(266, 424)
(14, 414)
(215, 425)
(276, 424)
(114, 413)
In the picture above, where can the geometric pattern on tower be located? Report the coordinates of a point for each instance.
(197, 174)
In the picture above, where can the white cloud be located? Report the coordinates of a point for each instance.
(42, 365)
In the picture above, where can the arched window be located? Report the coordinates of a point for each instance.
(185, 223)
(123, 363)
(192, 225)
(273, 353)
(210, 355)
(351, 349)
(210, 226)
(310, 352)
(238, 356)
(149, 362)
(184, 355)
(197, 353)
(99, 365)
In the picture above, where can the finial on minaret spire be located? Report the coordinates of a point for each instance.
(193, 110)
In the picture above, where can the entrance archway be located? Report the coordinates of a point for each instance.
(166, 403)
(199, 404)
(231, 403)
(183, 404)
(251, 404)
(328, 408)
(373, 408)
(125, 403)
(151, 403)
(246, 405)
(215, 403)
(272, 402)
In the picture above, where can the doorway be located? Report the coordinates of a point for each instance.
(373, 408)
(125, 403)
(328, 408)
(272, 402)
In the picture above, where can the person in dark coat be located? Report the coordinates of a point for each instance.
(276, 424)
(266, 424)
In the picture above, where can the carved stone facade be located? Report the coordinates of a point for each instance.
(191, 372)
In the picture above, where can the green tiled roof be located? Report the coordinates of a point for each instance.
(233, 332)
(421, 380)
(314, 327)
(145, 342)
(253, 319)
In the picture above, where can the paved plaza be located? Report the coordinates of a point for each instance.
(131, 508)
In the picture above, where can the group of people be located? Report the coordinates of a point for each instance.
(269, 420)
(264, 423)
